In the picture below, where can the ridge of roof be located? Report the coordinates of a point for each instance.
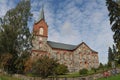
(64, 46)
(87, 46)
(58, 45)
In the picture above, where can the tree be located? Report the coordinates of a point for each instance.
(115, 53)
(110, 55)
(44, 66)
(101, 65)
(114, 14)
(4, 59)
(114, 50)
(15, 37)
(28, 65)
(14, 32)
(21, 62)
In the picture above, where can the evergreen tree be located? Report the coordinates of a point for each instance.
(15, 37)
(115, 54)
(114, 49)
(114, 14)
(110, 55)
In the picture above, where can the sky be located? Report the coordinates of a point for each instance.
(73, 22)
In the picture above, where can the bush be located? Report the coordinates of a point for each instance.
(101, 66)
(94, 69)
(61, 69)
(4, 58)
(83, 71)
(44, 67)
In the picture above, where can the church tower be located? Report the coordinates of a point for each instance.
(76, 57)
(40, 32)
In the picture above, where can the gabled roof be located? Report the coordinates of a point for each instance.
(63, 46)
(86, 45)
(57, 45)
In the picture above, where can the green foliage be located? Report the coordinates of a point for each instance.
(101, 65)
(61, 69)
(16, 64)
(7, 77)
(83, 71)
(4, 58)
(44, 67)
(113, 55)
(109, 64)
(114, 49)
(114, 14)
(94, 69)
(110, 55)
(15, 37)
(14, 32)
(117, 77)
(20, 62)
(118, 61)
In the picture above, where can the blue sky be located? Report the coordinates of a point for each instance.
(73, 21)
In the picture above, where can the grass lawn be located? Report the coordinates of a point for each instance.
(75, 74)
(116, 77)
(70, 75)
(3, 77)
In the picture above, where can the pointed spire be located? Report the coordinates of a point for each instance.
(41, 16)
(42, 13)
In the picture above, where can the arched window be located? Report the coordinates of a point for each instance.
(41, 31)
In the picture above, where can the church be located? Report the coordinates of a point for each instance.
(75, 57)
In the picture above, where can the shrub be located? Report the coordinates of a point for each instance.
(83, 71)
(44, 67)
(101, 66)
(94, 69)
(4, 58)
(61, 69)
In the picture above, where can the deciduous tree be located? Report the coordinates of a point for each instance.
(15, 37)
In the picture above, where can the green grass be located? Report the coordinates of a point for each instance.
(70, 75)
(6, 77)
(74, 74)
(116, 77)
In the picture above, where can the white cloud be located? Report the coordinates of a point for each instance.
(89, 24)
(5, 6)
(71, 21)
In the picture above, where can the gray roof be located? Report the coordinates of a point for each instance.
(57, 45)
(61, 45)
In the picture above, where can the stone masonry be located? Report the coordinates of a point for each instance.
(76, 57)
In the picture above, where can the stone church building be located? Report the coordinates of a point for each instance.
(76, 57)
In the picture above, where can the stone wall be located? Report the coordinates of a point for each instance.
(81, 57)
(84, 57)
(89, 77)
